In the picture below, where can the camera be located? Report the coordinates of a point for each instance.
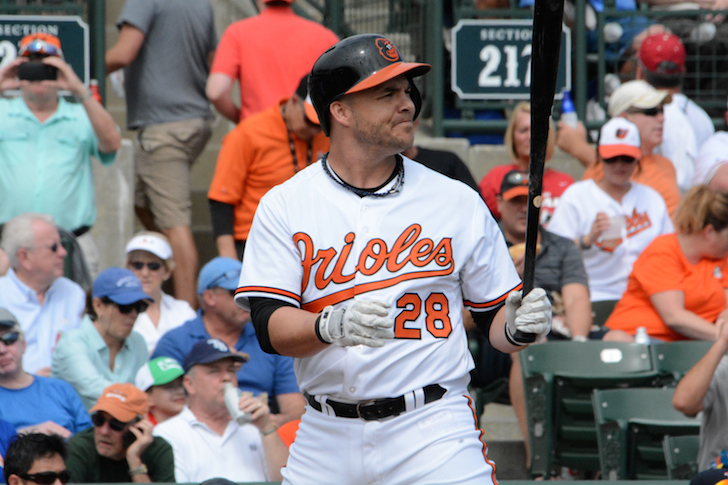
(37, 71)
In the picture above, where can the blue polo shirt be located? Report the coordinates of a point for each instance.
(262, 373)
(46, 167)
(46, 399)
(7, 436)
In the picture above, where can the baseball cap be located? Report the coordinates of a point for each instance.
(302, 92)
(619, 137)
(150, 243)
(209, 351)
(158, 372)
(120, 286)
(663, 54)
(7, 319)
(123, 401)
(515, 183)
(220, 271)
(40, 44)
(636, 94)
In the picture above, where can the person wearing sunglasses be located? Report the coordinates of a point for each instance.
(612, 219)
(34, 404)
(104, 349)
(220, 317)
(37, 458)
(46, 303)
(61, 183)
(120, 448)
(263, 151)
(642, 105)
(149, 257)
(161, 379)
(249, 452)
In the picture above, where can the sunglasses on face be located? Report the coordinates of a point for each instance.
(48, 478)
(53, 247)
(153, 266)
(139, 306)
(647, 112)
(621, 158)
(9, 338)
(99, 420)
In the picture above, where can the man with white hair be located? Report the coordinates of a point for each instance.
(45, 302)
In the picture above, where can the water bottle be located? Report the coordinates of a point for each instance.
(641, 337)
(232, 398)
(568, 112)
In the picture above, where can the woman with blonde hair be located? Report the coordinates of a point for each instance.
(677, 288)
(149, 257)
(517, 141)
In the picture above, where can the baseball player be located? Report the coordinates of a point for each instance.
(360, 266)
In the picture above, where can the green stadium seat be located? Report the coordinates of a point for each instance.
(631, 427)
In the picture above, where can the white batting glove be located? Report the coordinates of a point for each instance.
(530, 316)
(363, 322)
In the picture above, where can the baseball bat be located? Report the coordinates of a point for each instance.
(545, 51)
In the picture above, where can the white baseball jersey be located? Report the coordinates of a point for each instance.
(608, 268)
(427, 250)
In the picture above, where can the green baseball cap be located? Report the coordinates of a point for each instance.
(158, 372)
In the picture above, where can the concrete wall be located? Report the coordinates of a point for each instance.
(114, 206)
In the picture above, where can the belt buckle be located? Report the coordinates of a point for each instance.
(361, 404)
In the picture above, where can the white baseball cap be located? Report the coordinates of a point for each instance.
(150, 243)
(619, 137)
(636, 94)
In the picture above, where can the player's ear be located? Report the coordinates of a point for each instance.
(340, 112)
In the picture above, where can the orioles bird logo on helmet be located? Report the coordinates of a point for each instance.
(387, 49)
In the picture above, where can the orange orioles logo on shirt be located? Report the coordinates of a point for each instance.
(408, 251)
(387, 49)
(635, 224)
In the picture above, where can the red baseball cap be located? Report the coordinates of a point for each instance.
(663, 54)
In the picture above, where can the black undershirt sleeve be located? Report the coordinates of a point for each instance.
(484, 319)
(223, 217)
(260, 311)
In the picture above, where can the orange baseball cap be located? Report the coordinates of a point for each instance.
(122, 401)
(40, 44)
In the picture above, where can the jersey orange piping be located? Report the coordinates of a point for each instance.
(267, 289)
(492, 303)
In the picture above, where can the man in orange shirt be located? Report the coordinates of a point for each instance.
(641, 104)
(261, 152)
(267, 54)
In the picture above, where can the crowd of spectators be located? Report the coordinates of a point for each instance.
(134, 378)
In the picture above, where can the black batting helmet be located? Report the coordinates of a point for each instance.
(357, 63)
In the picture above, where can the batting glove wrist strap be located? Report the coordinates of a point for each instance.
(329, 326)
(364, 322)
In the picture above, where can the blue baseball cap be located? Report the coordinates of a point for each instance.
(120, 286)
(220, 272)
(209, 351)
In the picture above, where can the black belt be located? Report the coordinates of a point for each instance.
(375, 409)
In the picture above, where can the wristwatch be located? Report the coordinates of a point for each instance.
(142, 470)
